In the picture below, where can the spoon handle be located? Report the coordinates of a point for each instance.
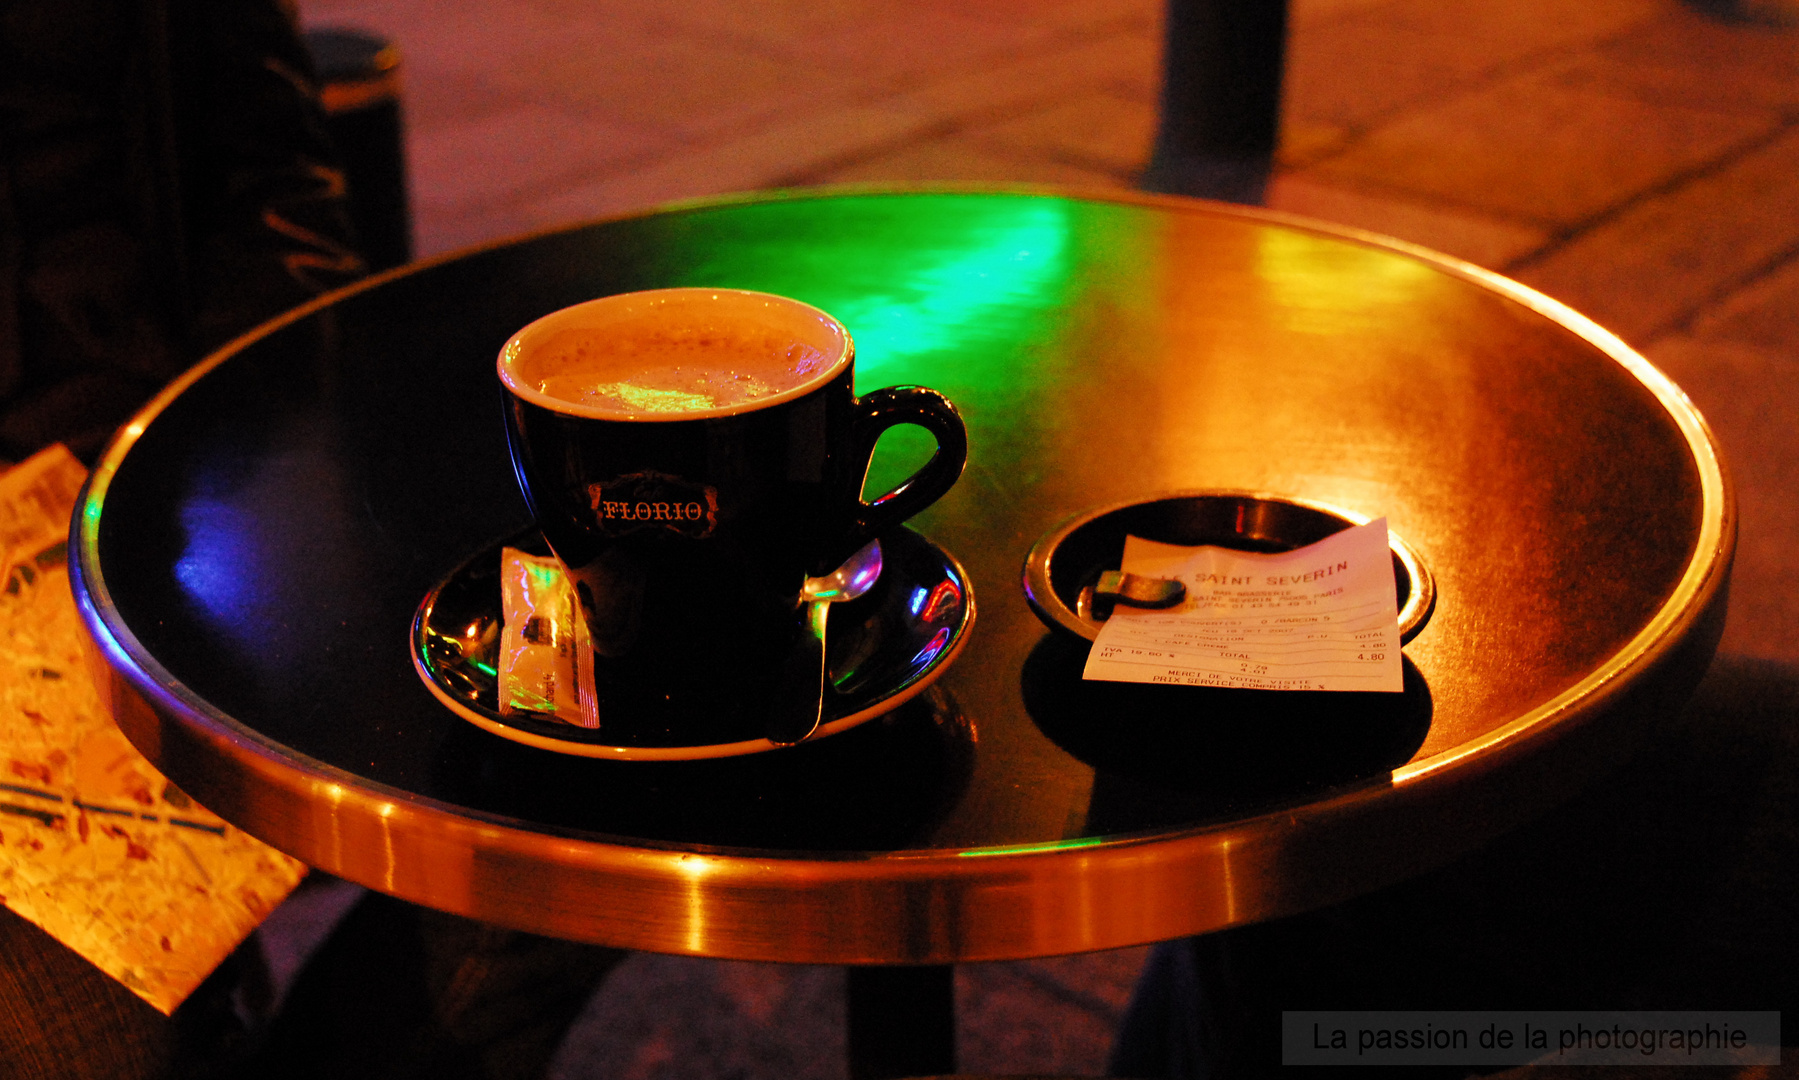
(799, 698)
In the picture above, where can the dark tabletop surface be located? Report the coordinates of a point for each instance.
(253, 559)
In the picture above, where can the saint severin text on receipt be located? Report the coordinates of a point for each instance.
(1323, 617)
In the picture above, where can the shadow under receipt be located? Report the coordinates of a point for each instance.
(1182, 755)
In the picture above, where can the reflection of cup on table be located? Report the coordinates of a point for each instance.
(692, 456)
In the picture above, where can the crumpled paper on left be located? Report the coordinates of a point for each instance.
(96, 846)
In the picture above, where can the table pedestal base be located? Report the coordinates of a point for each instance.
(902, 1021)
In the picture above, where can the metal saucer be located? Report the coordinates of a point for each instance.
(884, 648)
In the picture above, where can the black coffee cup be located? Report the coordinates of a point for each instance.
(690, 508)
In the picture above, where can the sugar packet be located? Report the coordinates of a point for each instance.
(546, 655)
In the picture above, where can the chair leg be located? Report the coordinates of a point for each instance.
(360, 92)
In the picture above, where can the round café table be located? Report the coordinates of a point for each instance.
(252, 547)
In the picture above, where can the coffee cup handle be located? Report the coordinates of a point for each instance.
(889, 407)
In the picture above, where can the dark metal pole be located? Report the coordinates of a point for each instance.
(1221, 98)
(902, 1021)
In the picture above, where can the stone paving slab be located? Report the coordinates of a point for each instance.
(888, 139)
(465, 36)
(627, 70)
(1534, 149)
(1660, 262)
(1102, 130)
(1082, 16)
(839, 144)
(1355, 66)
(520, 151)
(1764, 313)
(1304, 140)
(1750, 398)
(1124, 62)
(1687, 59)
(764, 157)
(968, 159)
(778, 26)
(1485, 241)
(663, 1017)
(441, 232)
(897, 49)
(449, 100)
(1052, 1017)
(789, 26)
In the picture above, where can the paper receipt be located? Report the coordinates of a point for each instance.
(1323, 617)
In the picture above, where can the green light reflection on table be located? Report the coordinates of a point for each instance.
(957, 300)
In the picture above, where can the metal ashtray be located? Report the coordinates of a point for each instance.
(1071, 557)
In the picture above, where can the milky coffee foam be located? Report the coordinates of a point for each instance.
(639, 369)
